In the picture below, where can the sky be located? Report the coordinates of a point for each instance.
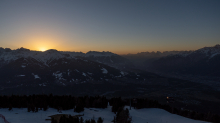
(118, 26)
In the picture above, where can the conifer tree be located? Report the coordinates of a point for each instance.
(79, 107)
(10, 107)
(87, 121)
(29, 108)
(36, 109)
(81, 120)
(92, 121)
(100, 120)
(53, 120)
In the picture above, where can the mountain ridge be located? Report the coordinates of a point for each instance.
(7, 55)
(204, 61)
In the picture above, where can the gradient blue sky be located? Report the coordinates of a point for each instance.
(119, 26)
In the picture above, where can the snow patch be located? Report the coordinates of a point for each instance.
(21, 75)
(213, 55)
(83, 74)
(150, 115)
(58, 75)
(36, 77)
(104, 71)
(122, 73)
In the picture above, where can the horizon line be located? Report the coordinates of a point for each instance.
(105, 51)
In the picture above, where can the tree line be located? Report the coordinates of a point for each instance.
(65, 102)
(33, 103)
(74, 119)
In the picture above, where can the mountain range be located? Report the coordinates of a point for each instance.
(23, 71)
(23, 67)
(204, 61)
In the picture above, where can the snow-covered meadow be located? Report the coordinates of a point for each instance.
(147, 115)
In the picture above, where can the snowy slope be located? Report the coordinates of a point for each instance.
(22, 65)
(1, 121)
(150, 115)
(7, 55)
(43, 57)
(206, 52)
(155, 115)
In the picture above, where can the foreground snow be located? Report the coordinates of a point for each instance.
(150, 115)
(155, 115)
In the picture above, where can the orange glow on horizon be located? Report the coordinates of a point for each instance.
(46, 42)
(42, 49)
(41, 43)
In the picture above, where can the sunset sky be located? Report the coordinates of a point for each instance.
(119, 26)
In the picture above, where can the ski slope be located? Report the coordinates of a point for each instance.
(147, 115)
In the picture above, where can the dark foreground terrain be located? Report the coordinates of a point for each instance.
(25, 72)
(186, 94)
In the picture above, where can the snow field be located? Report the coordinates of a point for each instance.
(147, 115)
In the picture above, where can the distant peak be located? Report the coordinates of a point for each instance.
(51, 50)
(22, 49)
(217, 46)
(103, 53)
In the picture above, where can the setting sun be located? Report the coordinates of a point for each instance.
(41, 43)
(42, 49)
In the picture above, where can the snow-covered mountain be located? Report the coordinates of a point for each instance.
(7, 55)
(209, 52)
(24, 67)
(204, 61)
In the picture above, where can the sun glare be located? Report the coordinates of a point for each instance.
(42, 49)
(42, 43)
